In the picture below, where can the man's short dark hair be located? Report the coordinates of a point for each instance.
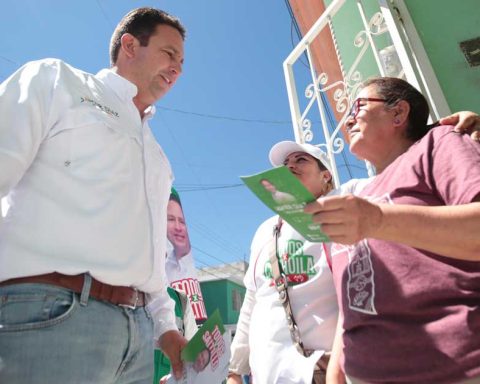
(141, 23)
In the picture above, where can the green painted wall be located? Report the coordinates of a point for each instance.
(441, 25)
(220, 294)
(346, 25)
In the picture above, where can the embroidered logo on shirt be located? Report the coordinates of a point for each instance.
(103, 108)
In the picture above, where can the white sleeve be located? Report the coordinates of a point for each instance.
(189, 322)
(162, 308)
(26, 118)
(353, 186)
(240, 349)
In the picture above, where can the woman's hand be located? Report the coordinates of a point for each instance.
(346, 219)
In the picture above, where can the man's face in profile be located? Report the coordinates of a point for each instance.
(177, 232)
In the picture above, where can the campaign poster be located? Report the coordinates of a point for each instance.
(180, 264)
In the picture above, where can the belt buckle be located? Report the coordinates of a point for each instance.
(134, 306)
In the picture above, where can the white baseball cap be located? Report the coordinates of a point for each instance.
(281, 150)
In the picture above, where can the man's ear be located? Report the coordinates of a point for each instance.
(401, 111)
(128, 44)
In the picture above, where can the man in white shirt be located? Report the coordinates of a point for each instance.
(82, 247)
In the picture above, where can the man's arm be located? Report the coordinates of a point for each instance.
(465, 122)
(167, 337)
(171, 343)
(26, 114)
(440, 229)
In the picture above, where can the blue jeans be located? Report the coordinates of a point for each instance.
(50, 335)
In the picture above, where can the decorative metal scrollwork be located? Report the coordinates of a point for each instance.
(344, 90)
(306, 124)
(377, 24)
(308, 135)
(338, 144)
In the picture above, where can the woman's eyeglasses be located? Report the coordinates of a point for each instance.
(356, 105)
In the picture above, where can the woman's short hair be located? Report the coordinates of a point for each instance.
(394, 90)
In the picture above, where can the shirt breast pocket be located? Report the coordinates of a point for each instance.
(99, 151)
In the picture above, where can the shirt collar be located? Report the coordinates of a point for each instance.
(149, 112)
(124, 88)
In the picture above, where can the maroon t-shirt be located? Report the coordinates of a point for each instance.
(412, 316)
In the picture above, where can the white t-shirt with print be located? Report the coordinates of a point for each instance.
(273, 357)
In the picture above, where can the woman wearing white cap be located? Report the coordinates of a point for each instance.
(263, 343)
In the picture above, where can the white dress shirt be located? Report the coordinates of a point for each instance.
(87, 183)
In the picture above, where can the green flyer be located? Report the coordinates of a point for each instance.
(207, 354)
(282, 192)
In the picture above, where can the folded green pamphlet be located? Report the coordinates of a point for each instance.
(282, 192)
(206, 355)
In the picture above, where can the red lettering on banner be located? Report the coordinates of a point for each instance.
(191, 288)
(216, 346)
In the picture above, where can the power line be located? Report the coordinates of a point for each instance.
(209, 199)
(347, 165)
(218, 240)
(218, 259)
(211, 273)
(8, 60)
(294, 25)
(104, 14)
(199, 187)
(220, 117)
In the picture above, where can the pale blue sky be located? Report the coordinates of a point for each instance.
(221, 118)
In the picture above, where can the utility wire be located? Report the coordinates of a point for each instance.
(294, 26)
(214, 208)
(220, 117)
(198, 187)
(215, 238)
(8, 60)
(218, 259)
(209, 272)
(105, 14)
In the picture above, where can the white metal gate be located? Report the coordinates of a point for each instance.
(405, 57)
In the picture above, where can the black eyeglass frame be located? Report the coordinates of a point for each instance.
(355, 108)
